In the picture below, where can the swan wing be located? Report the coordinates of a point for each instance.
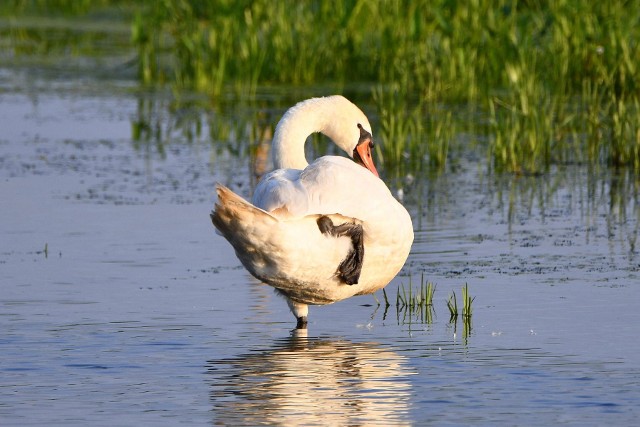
(281, 193)
(291, 254)
(280, 241)
(331, 184)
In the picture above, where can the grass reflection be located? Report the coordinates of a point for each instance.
(578, 192)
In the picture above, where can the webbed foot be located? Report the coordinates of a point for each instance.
(302, 322)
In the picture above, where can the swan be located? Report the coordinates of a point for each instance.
(320, 232)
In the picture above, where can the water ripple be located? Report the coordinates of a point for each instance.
(312, 382)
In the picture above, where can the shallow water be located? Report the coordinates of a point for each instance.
(120, 305)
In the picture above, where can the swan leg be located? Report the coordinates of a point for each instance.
(302, 322)
(300, 311)
(350, 268)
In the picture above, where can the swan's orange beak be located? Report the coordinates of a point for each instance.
(362, 155)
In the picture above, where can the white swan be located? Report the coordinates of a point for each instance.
(322, 232)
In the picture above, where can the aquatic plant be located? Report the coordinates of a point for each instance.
(452, 305)
(416, 302)
(467, 310)
(524, 63)
(467, 301)
(419, 301)
(412, 299)
(543, 82)
(466, 328)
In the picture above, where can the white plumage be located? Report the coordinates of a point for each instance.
(278, 238)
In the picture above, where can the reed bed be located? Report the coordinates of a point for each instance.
(533, 83)
(556, 81)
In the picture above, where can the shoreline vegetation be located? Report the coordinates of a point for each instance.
(531, 83)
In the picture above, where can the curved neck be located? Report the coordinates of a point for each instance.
(294, 128)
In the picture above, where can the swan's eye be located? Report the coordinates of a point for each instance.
(364, 136)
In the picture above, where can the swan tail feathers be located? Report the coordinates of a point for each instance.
(232, 213)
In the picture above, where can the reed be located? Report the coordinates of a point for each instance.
(467, 311)
(414, 299)
(554, 82)
(417, 301)
(452, 305)
(414, 302)
(519, 62)
(467, 302)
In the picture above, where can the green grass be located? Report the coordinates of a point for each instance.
(535, 83)
(418, 302)
(415, 299)
(452, 305)
(467, 301)
(556, 82)
(467, 311)
(410, 301)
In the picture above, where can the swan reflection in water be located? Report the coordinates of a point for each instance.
(312, 381)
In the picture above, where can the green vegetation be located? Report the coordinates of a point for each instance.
(416, 305)
(414, 299)
(532, 83)
(81, 35)
(467, 311)
(556, 81)
(466, 301)
(452, 303)
(412, 302)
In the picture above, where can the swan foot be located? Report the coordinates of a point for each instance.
(299, 310)
(350, 268)
(302, 322)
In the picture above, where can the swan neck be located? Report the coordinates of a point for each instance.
(292, 132)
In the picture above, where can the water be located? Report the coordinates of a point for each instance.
(119, 305)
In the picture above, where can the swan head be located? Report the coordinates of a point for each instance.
(349, 128)
(334, 116)
(362, 151)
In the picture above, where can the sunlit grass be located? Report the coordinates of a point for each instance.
(410, 301)
(467, 311)
(452, 305)
(549, 82)
(417, 301)
(524, 65)
(467, 301)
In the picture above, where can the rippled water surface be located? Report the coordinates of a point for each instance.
(119, 305)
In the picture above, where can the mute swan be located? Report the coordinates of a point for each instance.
(322, 232)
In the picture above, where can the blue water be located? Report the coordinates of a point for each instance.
(119, 305)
